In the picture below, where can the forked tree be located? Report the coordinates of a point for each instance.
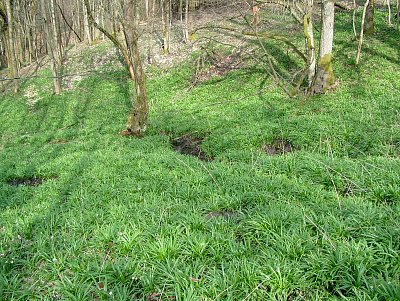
(129, 48)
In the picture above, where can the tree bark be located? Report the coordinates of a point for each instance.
(12, 55)
(309, 33)
(324, 78)
(186, 34)
(138, 117)
(369, 26)
(86, 26)
(53, 42)
(360, 41)
(166, 19)
(56, 49)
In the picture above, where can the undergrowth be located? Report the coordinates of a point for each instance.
(125, 219)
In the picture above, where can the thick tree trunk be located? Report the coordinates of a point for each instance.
(369, 27)
(2, 53)
(138, 117)
(256, 15)
(324, 78)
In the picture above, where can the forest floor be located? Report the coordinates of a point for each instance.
(237, 192)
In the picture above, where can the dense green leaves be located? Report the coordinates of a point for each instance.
(124, 219)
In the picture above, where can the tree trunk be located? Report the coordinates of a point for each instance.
(360, 41)
(369, 27)
(137, 119)
(2, 53)
(324, 78)
(309, 33)
(398, 13)
(12, 58)
(186, 26)
(166, 19)
(56, 49)
(86, 26)
(52, 41)
(389, 12)
(256, 15)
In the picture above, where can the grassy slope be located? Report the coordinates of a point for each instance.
(127, 218)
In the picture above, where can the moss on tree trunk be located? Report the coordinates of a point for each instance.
(369, 27)
(324, 78)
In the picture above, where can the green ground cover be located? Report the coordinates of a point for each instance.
(131, 219)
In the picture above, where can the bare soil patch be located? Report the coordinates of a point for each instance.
(29, 181)
(221, 64)
(190, 145)
(278, 147)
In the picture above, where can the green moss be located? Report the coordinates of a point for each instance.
(325, 63)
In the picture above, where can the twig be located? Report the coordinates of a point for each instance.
(361, 32)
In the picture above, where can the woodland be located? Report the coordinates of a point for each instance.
(200, 150)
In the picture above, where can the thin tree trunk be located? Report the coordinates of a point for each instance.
(56, 49)
(398, 13)
(146, 3)
(354, 19)
(361, 32)
(166, 19)
(86, 26)
(12, 58)
(186, 26)
(389, 12)
(309, 33)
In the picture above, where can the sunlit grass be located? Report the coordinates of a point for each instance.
(126, 219)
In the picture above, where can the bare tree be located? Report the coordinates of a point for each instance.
(129, 19)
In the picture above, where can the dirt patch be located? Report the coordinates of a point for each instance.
(189, 145)
(28, 181)
(221, 64)
(278, 147)
(159, 297)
